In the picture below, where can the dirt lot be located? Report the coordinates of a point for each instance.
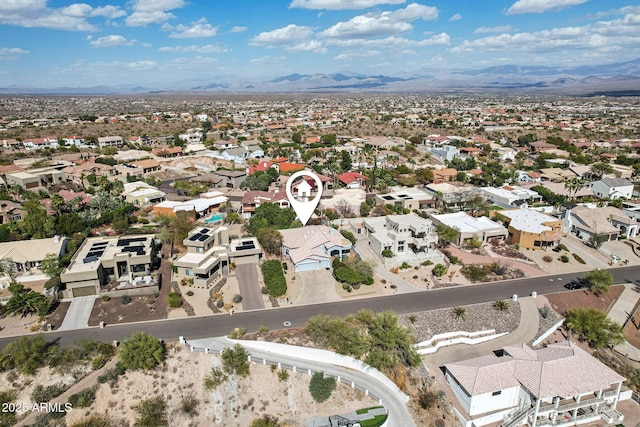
(564, 301)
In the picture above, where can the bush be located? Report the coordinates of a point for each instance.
(94, 420)
(547, 258)
(105, 298)
(427, 398)
(98, 362)
(174, 299)
(321, 387)
(348, 275)
(189, 293)
(454, 259)
(151, 412)
(83, 399)
(274, 278)
(189, 403)
(405, 265)
(577, 258)
(235, 360)
(215, 378)
(220, 303)
(283, 375)
(387, 253)
(141, 351)
(439, 270)
(125, 299)
(349, 236)
(112, 375)
(564, 258)
(42, 393)
(237, 298)
(264, 290)
(427, 263)
(474, 272)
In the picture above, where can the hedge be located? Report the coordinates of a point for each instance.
(274, 278)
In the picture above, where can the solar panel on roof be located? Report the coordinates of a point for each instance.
(89, 259)
(204, 230)
(195, 237)
(203, 237)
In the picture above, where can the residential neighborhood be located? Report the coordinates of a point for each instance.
(180, 210)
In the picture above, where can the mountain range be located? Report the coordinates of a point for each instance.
(615, 79)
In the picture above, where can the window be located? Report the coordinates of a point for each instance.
(199, 250)
(188, 272)
(496, 393)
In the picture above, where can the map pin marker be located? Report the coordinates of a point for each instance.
(301, 204)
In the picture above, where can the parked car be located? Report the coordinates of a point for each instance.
(573, 285)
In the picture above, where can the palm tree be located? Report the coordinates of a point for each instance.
(24, 303)
(572, 186)
(501, 305)
(459, 313)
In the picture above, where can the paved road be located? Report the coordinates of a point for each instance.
(249, 285)
(207, 326)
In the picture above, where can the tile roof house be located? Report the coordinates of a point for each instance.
(352, 179)
(252, 199)
(612, 188)
(24, 255)
(560, 384)
(590, 221)
(312, 247)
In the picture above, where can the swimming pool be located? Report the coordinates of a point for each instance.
(214, 218)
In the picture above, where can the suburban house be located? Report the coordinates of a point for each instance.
(35, 178)
(110, 141)
(40, 143)
(142, 194)
(444, 175)
(453, 196)
(231, 179)
(197, 208)
(632, 210)
(166, 151)
(532, 229)
(78, 174)
(446, 152)
(23, 255)
(469, 227)
(11, 211)
(352, 179)
(147, 165)
(509, 196)
(607, 223)
(343, 200)
(111, 263)
(408, 237)
(192, 136)
(407, 197)
(556, 174)
(612, 188)
(312, 247)
(252, 199)
(560, 384)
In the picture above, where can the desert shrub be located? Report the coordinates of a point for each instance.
(42, 393)
(474, 272)
(105, 298)
(387, 253)
(577, 258)
(28, 354)
(454, 259)
(459, 313)
(563, 247)
(141, 351)
(405, 265)
(439, 270)
(321, 387)
(189, 403)
(427, 398)
(125, 299)
(498, 268)
(427, 263)
(501, 305)
(83, 399)
(237, 333)
(235, 360)
(220, 303)
(99, 361)
(237, 298)
(346, 287)
(151, 412)
(547, 258)
(283, 375)
(274, 278)
(94, 420)
(174, 299)
(264, 290)
(564, 258)
(112, 375)
(189, 293)
(215, 378)
(265, 421)
(7, 418)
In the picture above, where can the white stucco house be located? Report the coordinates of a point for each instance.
(312, 247)
(612, 188)
(560, 385)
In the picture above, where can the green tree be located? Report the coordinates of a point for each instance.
(151, 412)
(365, 209)
(439, 270)
(270, 239)
(595, 327)
(265, 421)
(28, 354)
(24, 302)
(329, 139)
(345, 161)
(50, 265)
(272, 216)
(36, 224)
(321, 387)
(235, 360)
(141, 351)
(599, 281)
(600, 168)
(446, 234)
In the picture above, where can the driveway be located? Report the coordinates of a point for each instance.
(77, 316)
(247, 277)
(592, 257)
(318, 286)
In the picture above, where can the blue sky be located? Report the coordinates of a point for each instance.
(51, 43)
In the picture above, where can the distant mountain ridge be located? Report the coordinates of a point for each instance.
(616, 78)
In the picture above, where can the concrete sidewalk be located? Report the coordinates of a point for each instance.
(620, 312)
(77, 316)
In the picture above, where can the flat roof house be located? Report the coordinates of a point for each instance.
(409, 237)
(312, 247)
(612, 188)
(470, 227)
(111, 263)
(110, 141)
(511, 196)
(206, 260)
(560, 384)
(407, 197)
(532, 229)
(142, 194)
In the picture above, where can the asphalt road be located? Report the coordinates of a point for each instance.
(217, 325)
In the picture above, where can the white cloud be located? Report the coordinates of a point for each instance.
(111, 41)
(290, 33)
(199, 28)
(455, 17)
(147, 12)
(392, 42)
(238, 29)
(341, 4)
(11, 52)
(315, 46)
(356, 54)
(599, 38)
(498, 29)
(381, 23)
(209, 48)
(268, 60)
(36, 14)
(539, 6)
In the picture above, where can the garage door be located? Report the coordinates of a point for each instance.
(84, 291)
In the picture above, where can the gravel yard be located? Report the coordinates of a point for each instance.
(479, 317)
